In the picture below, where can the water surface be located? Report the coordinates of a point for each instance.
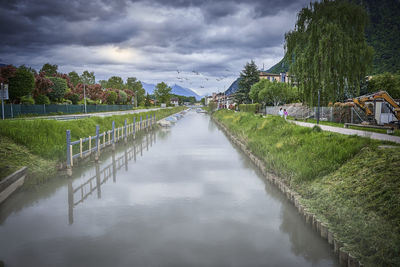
(179, 197)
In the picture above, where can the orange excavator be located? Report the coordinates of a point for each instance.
(361, 102)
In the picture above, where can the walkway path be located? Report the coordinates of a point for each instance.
(372, 135)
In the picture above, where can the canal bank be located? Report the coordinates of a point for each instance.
(188, 198)
(347, 200)
(40, 144)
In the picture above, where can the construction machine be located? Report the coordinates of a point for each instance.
(362, 102)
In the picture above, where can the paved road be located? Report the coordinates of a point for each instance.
(372, 135)
(98, 114)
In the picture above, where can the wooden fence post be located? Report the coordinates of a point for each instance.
(113, 135)
(126, 127)
(140, 125)
(97, 143)
(134, 127)
(68, 148)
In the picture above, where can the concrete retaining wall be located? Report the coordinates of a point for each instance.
(345, 259)
(12, 183)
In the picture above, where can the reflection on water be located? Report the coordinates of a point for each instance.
(191, 199)
(77, 194)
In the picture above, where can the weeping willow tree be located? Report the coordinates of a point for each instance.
(327, 51)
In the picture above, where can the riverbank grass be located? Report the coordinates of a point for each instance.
(46, 139)
(351, 183)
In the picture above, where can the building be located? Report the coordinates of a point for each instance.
(175, 101)
(282, 77)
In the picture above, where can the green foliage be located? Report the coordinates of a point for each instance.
(385, 82)
(115, 82)
(273, 93)
(203, 101)
(136, 86)
(112, 98)
(281, 66)
(162, 93)
(74, 78)
(383, 34)
(122, 97)
(58, 89)
(27, 100)
(49, 70)
(88, 77)
(21, 84)
(326, 54)
(248, 77)
(253, 108)
(147, 102)
(74, 98)
(42, 99)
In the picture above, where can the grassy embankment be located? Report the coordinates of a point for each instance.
(40, 144)
(348, 181)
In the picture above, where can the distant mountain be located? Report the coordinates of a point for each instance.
(176, 89)
(233, 88)
(279, 67)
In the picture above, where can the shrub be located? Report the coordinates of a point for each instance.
(58, 89)
(74, 98)
(249, 108)
(42, 99)
(27, 100)
(22, 83)
(111, 98)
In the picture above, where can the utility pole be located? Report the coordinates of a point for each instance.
(318, 106)
(84, 96)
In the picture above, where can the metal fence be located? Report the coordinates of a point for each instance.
(17, 110)
(93, 144)
(333, 114)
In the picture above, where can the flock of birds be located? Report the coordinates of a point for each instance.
(183, 77)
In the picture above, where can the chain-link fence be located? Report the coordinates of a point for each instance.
(18, 110)
(345, 114)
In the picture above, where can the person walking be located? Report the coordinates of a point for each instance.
(285, 113)
(280, 112)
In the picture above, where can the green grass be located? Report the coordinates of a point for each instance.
(14, 157)
(47, 138)
(348, 181)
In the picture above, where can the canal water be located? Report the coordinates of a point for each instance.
(184, 196)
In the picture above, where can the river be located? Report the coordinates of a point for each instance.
(184, 196)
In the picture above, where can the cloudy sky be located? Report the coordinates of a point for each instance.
(197, 44)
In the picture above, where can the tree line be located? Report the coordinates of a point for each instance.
(27, 86)
(327, 53)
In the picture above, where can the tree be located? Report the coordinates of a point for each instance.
(147, 102)
(162, 93)
(115, 82)
(136, 86)
(385, 82)
(122, 97)
(58, 89)
(111, 97)
(203, 101)
(49, 70)
(42, 85)
(273, 93)
(6, 72)
(327, 50)
(74, 78)
(248, 77)
(22, 84)
(88, 77)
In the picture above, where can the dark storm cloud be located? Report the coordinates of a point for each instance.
(158, 35)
